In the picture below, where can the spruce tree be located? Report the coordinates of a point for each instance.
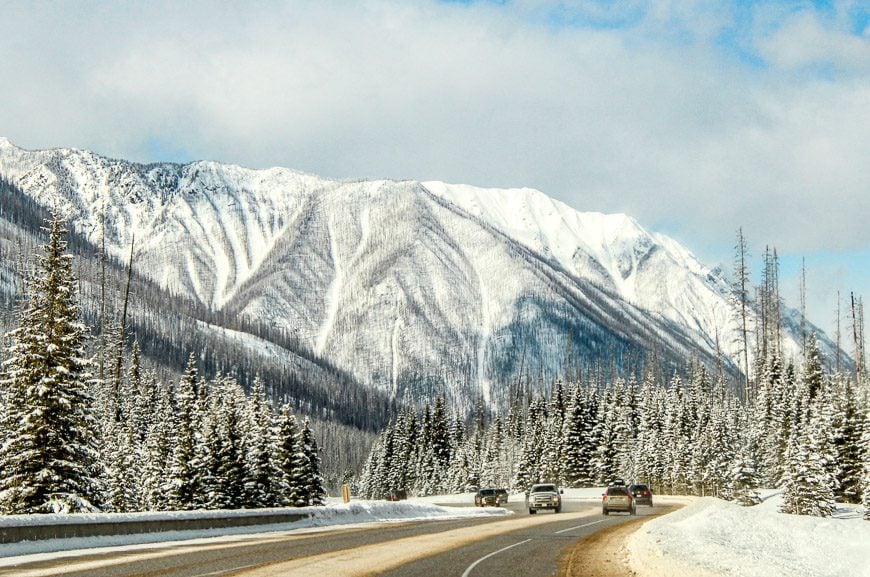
(181, 486)
(258, 463)
(865, 441)
(314, 492)
(290, 460)
(49, 461)
(744, 477)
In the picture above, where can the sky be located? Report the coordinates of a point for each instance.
(694, 117)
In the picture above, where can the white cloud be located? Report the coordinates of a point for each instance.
(656, 119)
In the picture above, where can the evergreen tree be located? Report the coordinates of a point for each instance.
(49, 461)
(865, 441)
(314, 492)
(258, 463)
(744, 477)
(809, 485)
(846, 440)
(290, 460)
(181, 486)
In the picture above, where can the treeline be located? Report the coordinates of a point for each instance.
(75, 442)
(203, 444)
(804, 429)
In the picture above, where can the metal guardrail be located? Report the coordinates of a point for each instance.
(55, 528)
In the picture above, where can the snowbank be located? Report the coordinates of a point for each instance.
(715, 537)
(319, 518)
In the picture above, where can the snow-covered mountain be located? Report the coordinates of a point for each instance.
(412, 287)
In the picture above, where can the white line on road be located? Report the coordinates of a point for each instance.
(224, 571)
(580, 526)
(482, 559)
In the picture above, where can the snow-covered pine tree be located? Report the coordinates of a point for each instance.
(744, 476)
(181, 485)
(529, 466)
(230, 451)
(808, 489)
(865, 442)
(157, 449)
(290, 460)
(552, 456)
(49, 461)
(847, 430)
(809, 481)
(259, 473)
(315, 494)
(578, 445)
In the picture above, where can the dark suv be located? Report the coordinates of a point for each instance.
(486, 497)
(642, 494)
(618, 498)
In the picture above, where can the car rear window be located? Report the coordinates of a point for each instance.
(616, 490)
(487, 492)
(638, 487)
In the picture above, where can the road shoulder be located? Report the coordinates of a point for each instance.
(605, 552)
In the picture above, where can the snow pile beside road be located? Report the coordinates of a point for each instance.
(715, 537)
(342, 515)
(374, 511)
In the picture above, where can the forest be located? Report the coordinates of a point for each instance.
(801, 428)
(78, 438)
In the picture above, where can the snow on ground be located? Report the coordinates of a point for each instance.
(711, 537)
(332, 516)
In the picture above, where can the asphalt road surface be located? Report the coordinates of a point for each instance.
(520, 544)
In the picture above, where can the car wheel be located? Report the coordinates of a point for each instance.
(559, 509)
(532, 511)
(605, 512)
(633, 511)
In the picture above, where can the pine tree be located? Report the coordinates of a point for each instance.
(314, 492)
(290, 460)
(181, 486)
(258, 463)
(744, 477)
(865, 441)
(809, 482)
(49, 461)
(846, 440)
(230, 444)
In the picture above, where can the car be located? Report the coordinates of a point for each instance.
(544, 496)
(397, 495)
(502, 495)
(618, 498)
(642, 494)
(486, 497)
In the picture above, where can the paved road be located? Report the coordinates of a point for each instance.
(530, 551)
(516, 545)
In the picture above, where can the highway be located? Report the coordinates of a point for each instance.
(520, 544)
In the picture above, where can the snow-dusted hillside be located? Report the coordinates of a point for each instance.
(413, 287)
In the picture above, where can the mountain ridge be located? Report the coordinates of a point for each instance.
(412, 287)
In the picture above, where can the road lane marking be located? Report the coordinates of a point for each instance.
(359, 561)
(580, 526)
(485, 557)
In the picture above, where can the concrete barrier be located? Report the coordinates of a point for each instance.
(119, 524)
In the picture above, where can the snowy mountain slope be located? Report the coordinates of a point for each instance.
(649, 270)
(413, 287)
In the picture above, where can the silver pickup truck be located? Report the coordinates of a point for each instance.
(544, 496)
